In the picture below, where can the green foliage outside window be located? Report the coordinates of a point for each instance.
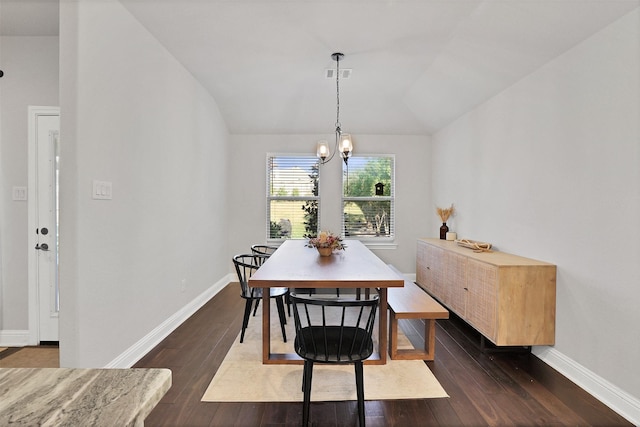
(275, 230)
(366, 212)
(310, 207)
(292, 196)
(364, 174)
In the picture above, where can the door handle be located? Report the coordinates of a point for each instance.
(42, 247)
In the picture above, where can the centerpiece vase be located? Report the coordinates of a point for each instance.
(325, 251)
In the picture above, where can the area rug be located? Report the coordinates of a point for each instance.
(243, 378)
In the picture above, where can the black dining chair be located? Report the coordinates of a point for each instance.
(333, 330)
(263, 249)
(268, 250)
(246, 265)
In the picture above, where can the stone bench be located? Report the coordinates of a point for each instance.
(411, 302)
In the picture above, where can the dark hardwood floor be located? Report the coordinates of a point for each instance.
(485, 388)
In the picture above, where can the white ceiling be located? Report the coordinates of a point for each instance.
(417, 64)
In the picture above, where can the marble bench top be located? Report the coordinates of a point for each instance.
(75, 397)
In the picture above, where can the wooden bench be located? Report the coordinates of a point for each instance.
(412, 302)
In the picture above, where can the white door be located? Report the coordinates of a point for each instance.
(44, 141)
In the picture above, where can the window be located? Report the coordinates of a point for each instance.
(292, 196)
(368, 197)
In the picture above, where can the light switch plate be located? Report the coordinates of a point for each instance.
(102, 190)
(19, 193)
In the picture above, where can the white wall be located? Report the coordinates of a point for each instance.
(132, 115)
(247, 191)
(550, 169)
(30, 66)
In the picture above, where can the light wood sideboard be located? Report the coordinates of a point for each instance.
(510, 300)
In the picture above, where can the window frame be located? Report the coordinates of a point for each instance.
(270, 197)
(372, 240)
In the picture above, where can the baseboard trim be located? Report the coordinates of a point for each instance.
(152, 339)
(14, 338)
(615, 398)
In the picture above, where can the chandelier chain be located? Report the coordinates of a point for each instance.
(345, 146)
(337, 93)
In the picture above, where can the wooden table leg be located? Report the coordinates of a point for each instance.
(266, 322)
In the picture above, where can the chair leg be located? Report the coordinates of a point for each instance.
(283, 318)
(257, 304)
(245, 318)
(307, 374)
(360, 391)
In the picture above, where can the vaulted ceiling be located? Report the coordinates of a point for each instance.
(416, 64)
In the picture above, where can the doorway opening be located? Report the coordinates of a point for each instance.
(43, 210)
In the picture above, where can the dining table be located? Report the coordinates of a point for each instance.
(294, 265)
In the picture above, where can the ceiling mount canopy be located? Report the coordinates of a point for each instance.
(343, 143)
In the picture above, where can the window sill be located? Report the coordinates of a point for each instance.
(382, 246)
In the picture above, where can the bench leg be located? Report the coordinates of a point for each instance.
(412, 354)
(393, 335)
(429, 338)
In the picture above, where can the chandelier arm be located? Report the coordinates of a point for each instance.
(333, 153)
(335, 149)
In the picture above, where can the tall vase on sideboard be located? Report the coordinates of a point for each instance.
(443, 231)
(444, 214)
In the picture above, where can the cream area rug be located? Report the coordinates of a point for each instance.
(243, 378)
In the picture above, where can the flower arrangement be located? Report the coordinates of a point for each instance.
(326, 239)
(445, 213)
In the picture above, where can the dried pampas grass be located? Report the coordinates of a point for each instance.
(445, 213)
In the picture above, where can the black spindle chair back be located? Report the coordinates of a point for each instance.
(333, 330)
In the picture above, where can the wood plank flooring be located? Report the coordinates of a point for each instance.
(46, 356)
(486, 389)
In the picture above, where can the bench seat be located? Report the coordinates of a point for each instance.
(411, 302)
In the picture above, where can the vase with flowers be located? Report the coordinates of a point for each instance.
(444, 214)
(326, 242)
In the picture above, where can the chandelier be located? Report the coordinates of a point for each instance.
(343, 140)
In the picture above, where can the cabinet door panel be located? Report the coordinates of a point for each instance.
(454, 291)
(482, 297)
(430, 269)
(423, 274)
(437, 270)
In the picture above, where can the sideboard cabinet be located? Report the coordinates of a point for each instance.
(510, 300)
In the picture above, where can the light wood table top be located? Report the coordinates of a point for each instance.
(294, 265)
